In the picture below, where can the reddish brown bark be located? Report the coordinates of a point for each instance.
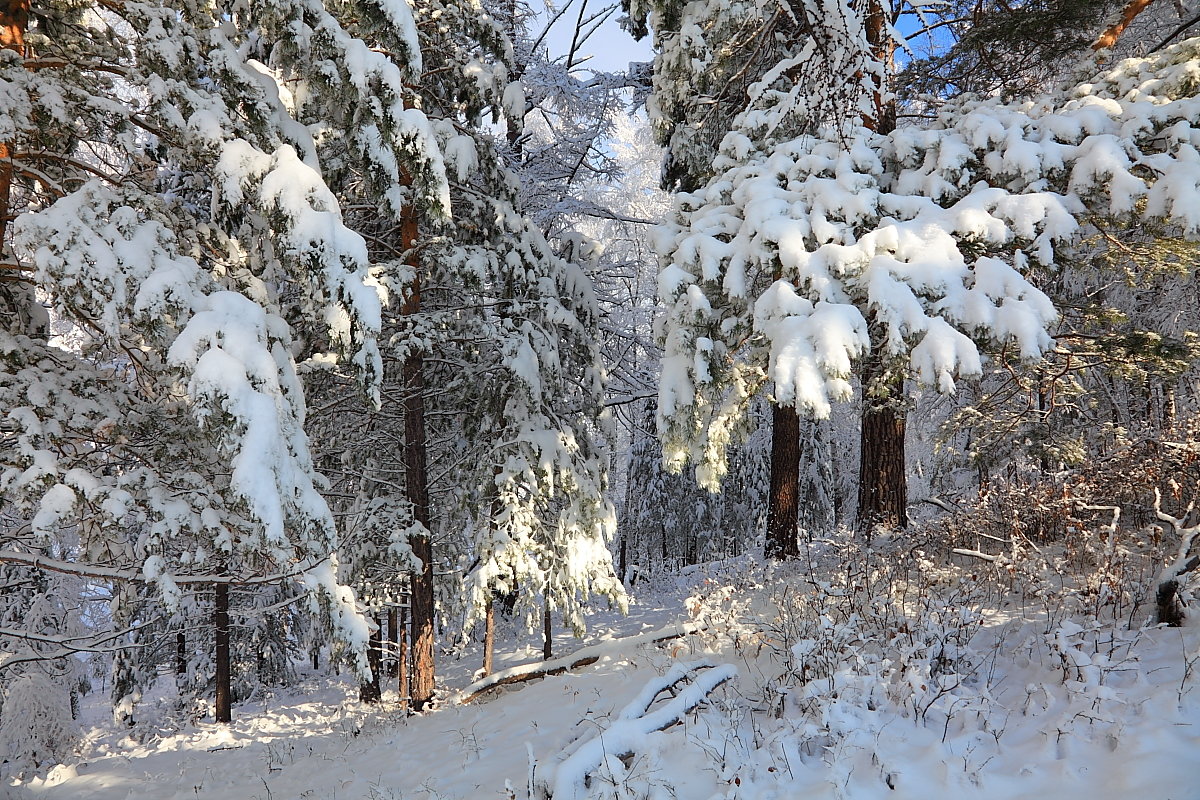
(782, 504)
(1114, 31)
(882, 483)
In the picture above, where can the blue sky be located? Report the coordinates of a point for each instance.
(610, 48)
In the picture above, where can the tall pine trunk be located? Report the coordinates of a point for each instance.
(224, 693)
(782, 506)
(417, 481)
(882, 483)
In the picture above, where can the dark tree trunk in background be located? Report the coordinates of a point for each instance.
(402, 686)
(547, 632)
(224, 698)
(393, 623)
(181, 658)
(782, 508)
(371, 691)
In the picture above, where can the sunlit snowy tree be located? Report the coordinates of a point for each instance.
(173, 218)
(825, 236)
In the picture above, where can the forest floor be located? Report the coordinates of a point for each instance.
(838, 690)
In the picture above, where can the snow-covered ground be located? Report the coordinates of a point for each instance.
(921, 699)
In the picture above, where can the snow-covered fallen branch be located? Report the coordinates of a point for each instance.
(994, 559)
(628, 734)
(580, 658)
(1167, 596)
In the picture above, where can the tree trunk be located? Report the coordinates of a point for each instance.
(782, 508)
(402, 687)
(422, 580)
(224, 705)
(547, 631)
(393, 623)
(623, 557)
(371, 691)
(882, 484)
(489, 637)
(181, 658)
(416, 481)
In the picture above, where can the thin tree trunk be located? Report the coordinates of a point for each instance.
(402, 687)
(180, 653)
(393, 624)
(782, 508)
(623, 557)
(224, 704)
(547, 631)
(489, 636)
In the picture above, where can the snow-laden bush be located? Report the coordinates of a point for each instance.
(868, 671)
(36, 727)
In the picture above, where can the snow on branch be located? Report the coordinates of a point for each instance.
(627, 736)
(933, 234)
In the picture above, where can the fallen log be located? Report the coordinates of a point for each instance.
(580, 658)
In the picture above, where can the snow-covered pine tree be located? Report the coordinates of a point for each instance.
(710, 55)
(174, 216)
(503, 331)
(820, 230)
